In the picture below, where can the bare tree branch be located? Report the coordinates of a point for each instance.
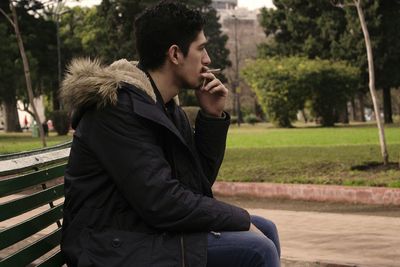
(26, 110)
(7, 17)
(27, 72)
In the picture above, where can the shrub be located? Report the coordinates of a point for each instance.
(251, 119)
(283, 85)
(234, 119)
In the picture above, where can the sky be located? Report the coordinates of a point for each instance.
(250, 4)
(254, 4)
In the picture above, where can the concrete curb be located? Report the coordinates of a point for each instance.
(334, 193)
(288, 262)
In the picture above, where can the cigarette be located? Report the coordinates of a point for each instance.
(213, 71)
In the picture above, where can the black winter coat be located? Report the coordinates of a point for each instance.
(138, 184)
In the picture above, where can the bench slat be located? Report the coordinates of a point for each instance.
(15, 184)
(15, 166)
(55, 260)
(16, 233)
(33, 152)
(32, 252)
(16, 207)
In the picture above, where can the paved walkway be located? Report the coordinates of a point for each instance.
(310, 239)
(336, 239)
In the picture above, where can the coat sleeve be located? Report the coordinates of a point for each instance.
(210, 138)
(125, 144)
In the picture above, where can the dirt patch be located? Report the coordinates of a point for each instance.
(376, 167)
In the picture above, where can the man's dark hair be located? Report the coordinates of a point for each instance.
(163, 25)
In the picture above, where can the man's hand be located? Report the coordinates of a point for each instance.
(212, 97)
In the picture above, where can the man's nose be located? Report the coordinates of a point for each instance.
(206, 60)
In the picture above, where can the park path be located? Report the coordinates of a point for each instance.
(310, 239)
(336, 239)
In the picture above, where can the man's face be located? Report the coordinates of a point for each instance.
(194, 63)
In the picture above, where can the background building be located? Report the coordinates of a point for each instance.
(245, 33)
(227, 4)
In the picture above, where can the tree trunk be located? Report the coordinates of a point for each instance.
(303, 113)
(353, 109)
(371, 71)
(234, 101)
(342, 115)
(55, 100)
(27, 73)
(239, 111)
(346, 114)
(387, 105)
(11, 116)
(362, 106)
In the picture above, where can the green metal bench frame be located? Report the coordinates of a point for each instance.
(18, 172)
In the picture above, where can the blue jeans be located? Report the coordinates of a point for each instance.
(245, 249)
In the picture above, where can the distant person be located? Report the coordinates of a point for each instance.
(45, 128)
(26, 123)
(138, 180)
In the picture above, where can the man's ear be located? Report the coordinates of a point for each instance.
(174, 54)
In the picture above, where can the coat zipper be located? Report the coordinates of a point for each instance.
(183, 251)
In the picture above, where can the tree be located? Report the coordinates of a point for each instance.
(300, 27)
(8, 80)
(303, 28)
(371, 71)
(14, 22)
(314, 29)
(216, 41)
(40, 51)
(388, 53)
(381, 18)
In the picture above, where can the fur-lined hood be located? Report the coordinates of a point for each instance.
(87, 82)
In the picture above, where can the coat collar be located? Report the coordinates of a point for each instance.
(144, 107)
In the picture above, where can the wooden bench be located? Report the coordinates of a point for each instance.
(31, 203)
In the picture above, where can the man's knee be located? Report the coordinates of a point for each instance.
(242, 249)
(264, 252)
(261, 222)
(268, 228)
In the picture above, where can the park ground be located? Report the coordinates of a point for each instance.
(315, 234)
(312, 233)
(343, 155)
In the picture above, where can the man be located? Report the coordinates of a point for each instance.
(138, 181)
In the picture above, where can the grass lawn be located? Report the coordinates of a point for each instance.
(16, 142)
(300, 155)
(311, 155)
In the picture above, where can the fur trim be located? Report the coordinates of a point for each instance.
(87, 82)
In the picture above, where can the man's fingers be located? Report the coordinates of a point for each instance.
(211, 84)
(208, 75)
(220, 89)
